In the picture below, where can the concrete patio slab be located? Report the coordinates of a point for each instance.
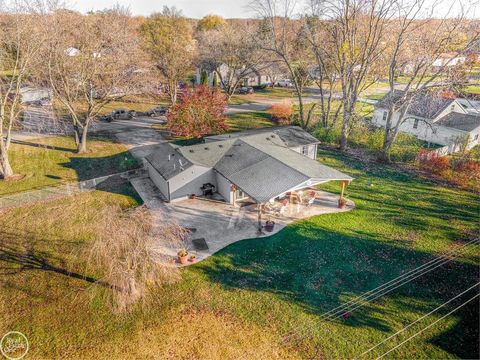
(222, 224)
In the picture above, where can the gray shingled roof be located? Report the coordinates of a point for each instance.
(303, 164)
(295, 136)
(168, 161)
(206, 154)
(261, 164)
(292, 136)
(256, 173)
(424, 105)
(465, 122)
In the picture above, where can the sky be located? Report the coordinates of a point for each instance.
(190, 8)
(226, 8)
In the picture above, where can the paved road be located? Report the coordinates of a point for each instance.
(137, 135)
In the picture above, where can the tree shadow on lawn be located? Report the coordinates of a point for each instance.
(43, 146)
(16, 258)
(318, 269)
(93, 167)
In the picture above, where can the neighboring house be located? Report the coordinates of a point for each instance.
(260, 75)
(255, 165)
(447, 122)
(448, 60)
(35, 94)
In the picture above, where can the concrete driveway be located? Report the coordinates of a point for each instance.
(136, 134)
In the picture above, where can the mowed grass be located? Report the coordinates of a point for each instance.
(52, 160)
(249, 120)
(259, 298)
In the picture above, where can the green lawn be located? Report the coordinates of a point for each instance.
(249, 120)
(472, 89)
(52, 160)
(258, 298)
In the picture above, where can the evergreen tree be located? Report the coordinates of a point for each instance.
(204, 78)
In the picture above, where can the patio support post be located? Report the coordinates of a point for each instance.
(344, 183)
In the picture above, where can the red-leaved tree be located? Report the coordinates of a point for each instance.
(199, 111)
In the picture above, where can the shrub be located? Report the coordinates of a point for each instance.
(282, 114)
(468, 166)
(199, 111)
(433, 162)
(329, 136)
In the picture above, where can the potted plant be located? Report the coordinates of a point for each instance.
(269, 225)
(192, 258)
(182, 256)
(342, 203)
(193, 196)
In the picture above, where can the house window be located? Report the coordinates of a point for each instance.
(475, 138)
(305, 150)
(385, 113)
(452, 107)
(415, 124)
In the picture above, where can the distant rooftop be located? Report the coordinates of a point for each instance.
(425, 105)
(465, 122)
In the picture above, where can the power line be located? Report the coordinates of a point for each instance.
(379, 291)
(417, 272)
(416, 321)
(429, 326)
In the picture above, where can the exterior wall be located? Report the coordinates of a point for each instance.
(312, 150)
(190, 181)
(435, 134)
(30, 94)
(224, 188)
(158, 180)
(474, 138)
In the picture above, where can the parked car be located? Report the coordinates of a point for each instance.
(156, 111)
(122, 114)
(119, 114)
(244, 90)
(284, 83)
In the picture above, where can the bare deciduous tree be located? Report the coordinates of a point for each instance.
(356, 30)
(281, 35)
(325, 75)
(90, 61)
(125, 252)
(231, 52)
(20, 41)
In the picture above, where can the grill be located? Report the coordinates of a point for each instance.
(208, 189)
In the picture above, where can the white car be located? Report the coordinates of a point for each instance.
(285, 83)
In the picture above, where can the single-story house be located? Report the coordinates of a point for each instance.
(257, 166)
(261, 74)
(431, 118)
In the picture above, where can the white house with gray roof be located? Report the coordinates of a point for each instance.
(259, 165)
(433, 119)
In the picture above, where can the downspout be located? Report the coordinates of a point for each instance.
(168, 191)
